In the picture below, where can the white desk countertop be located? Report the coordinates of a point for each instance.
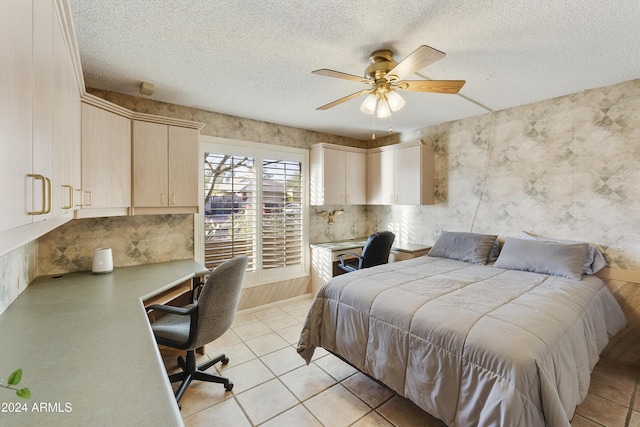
(345, 245)
(87, 351)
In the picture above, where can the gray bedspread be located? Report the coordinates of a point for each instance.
(472, 345)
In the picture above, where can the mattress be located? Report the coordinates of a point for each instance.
(469, 344)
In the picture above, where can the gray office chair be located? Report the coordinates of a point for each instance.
(374, 252)
(197, 324)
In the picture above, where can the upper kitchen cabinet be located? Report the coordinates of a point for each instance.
(40, 87)
(400, 174)
(165, 168)
(106, 162)
(338, 175)
(16, 90)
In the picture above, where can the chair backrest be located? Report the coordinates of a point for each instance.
(376, 249)
(218, 300)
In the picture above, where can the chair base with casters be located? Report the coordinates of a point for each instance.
(192, 372)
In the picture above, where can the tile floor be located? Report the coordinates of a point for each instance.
(274, 387)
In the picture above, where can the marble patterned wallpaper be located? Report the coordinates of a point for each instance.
(133, 241)
(567, 167)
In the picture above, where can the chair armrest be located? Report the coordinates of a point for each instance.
(171, 309)
(348, 253)
(197, 288)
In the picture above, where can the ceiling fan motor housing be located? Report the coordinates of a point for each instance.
(381, 64)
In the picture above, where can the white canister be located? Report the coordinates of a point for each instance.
(102, 261)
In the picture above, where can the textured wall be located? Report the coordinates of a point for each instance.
(133, 240)
(567, 167)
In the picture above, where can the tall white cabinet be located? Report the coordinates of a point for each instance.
(39, 121)
(337, 175)
(400, 174)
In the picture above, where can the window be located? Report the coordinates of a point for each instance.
(254, 204)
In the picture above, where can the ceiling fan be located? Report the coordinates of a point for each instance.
(386, 77)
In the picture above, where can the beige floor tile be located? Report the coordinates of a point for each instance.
(371, 392)
(618, 391)
(336, 367)
(580, 421)
(297, 305)
(373, 420)
(299, 315)
(402, 412)
(269, 312)
(297, 416)
(291, 334)
(337, 407)
(281, 321)
(243, 318)
(266, 401)
(307, 381)
(201, 395)
(634, 421)
(248, 375)
(229, 411)
(265, 344)
(284, 360)
(237, 354)
(615, 371)
(602, 411)
(227, 339)
(252, 330)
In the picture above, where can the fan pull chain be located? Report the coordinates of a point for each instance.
(373, 124)
(390, 124)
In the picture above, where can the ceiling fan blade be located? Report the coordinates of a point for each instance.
(437, 86)
(339, 75)
(345, 99)
(419, 58)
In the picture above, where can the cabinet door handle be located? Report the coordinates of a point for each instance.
(48, 194)
(70, 196)
(173, 198)
(90, 198)
(44, 192)
(161, 199)
(81, 198)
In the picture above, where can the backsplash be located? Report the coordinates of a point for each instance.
(134, 240)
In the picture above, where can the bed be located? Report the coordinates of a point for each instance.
(511, 343)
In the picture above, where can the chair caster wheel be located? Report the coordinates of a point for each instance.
(229, 386)
(225, 360)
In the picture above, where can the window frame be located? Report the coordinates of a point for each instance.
(258, 151)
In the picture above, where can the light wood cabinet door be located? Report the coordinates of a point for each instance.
(66, 126)
(407, 175)
(338, 175)
(334, 177)
(380, 178)
(150, 164)
(355, 178)
(183, 166)
(106, 163)
(16, 78)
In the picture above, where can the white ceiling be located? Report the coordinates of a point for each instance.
(254, 59)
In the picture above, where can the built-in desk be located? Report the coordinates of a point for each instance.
(324, 256)
(87, 351)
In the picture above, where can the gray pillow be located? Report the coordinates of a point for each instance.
(463, 246)
(543, 256)
(593, 261)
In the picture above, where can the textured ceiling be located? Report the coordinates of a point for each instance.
(254, 59)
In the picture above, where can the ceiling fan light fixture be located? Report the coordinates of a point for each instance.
(369, 104)
(396, 102)
(383, 110)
